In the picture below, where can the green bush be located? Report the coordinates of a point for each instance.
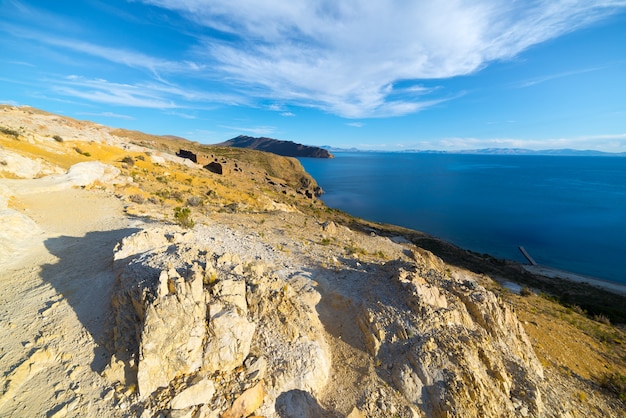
(616, 383)
(183, 217)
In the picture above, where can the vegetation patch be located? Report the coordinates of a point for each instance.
(616, 384)
(11, 132)
(182, 216)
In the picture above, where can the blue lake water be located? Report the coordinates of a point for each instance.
(568, 212)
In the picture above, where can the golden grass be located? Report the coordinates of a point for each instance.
(570, 341)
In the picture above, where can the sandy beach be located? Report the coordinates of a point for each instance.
(578, 278)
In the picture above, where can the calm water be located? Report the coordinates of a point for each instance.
(569, 212)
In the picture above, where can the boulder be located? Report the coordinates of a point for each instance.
(196, 394)
(229, 338)
(248, 402)
(173, 334)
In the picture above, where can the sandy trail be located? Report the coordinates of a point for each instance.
(54, 301)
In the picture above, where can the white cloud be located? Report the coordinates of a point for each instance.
(288, 114)
(103, 91)
(356, 124)
(151, 95)
(107, 115)
(346, 57)
(257, 130)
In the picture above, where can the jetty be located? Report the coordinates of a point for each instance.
(528, 257)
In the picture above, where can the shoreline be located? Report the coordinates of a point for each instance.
(554, 273)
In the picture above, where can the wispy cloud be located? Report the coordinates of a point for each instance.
(257, 130)
(356, 124)
(346, 57)
(103, 91)
(107, 115)
(130, 58)
(151, 95)
(550, 77)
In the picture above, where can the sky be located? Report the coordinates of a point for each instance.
(377, 75)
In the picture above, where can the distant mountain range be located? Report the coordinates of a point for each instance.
(285, 148)
(499, 151)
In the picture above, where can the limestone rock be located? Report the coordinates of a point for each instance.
(23, 167)
(173, 335)
(197, 394)
(183, 308)
(247, 403)
(139, 242)
(232, 293)
(458, 351)
(329, 227)
(230, 336)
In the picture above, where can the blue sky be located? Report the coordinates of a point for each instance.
(384, 75)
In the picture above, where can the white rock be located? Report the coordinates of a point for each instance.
(230, 336)
(197, 394)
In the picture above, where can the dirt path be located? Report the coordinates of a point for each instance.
(54, 300)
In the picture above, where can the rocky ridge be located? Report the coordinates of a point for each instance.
(213, 305)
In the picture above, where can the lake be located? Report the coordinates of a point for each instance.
(568, 212)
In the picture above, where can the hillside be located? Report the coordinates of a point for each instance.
(285, 148)
(138, 283)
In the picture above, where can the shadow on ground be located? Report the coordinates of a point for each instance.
(300, 404)
(84, 276)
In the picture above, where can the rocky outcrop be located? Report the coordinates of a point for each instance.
(456, 350)
(206, 329)
(188, 311)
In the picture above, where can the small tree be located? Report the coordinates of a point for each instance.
(183, 217)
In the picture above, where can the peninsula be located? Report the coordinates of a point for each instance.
(285, 148)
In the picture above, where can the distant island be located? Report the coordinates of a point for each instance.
(565, 152)
(284, 148)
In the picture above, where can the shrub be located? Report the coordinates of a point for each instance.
(602, 319)
(57, 138)
(10, 132)
(128, 160)
(525, 291)
(78, 150)
(177, 195)
(616, 383)
(154, 200)
(164, 193)
(137, 198)
(194, 201)
(183, 217)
